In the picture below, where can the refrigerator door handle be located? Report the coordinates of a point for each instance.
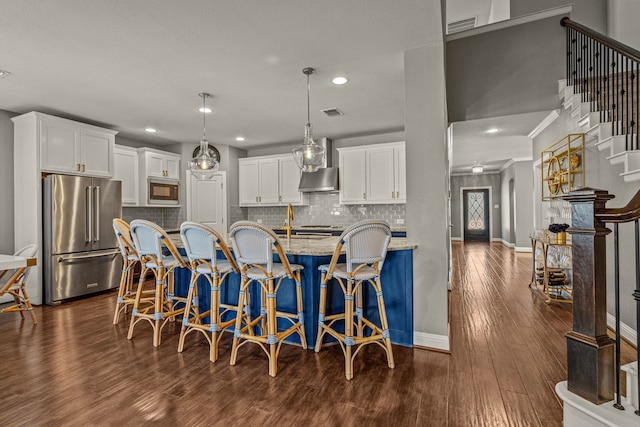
(76, 257)
(88, 215)
(96, 223)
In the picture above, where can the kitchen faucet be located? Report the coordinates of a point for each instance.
(289, 219)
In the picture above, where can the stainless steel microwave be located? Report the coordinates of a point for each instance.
(163, 192)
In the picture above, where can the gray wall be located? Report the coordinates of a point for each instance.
(592, 13)
(427, 182)
(6, 183)
(623, 17)
(507, 71)
(476, 180)
(521, 173)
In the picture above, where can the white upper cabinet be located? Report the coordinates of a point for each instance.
(126, 170)
(75, 148)
(269, 181)
(160, 164)
(289, 180)
(373, 174)
(353, 180)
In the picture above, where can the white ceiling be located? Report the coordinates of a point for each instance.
(133, 64)
(128, 65)
(473, 145)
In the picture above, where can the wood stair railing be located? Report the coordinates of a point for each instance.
(593, 358)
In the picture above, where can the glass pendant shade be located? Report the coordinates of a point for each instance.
(309, 156)
(203, 166)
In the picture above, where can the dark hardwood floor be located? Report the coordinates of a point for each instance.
(507, 353)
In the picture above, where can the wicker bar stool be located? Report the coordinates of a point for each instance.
(150, 240)
(13, 282)
(200, 244)
(253, 247)
(366, 245)
(126, 292)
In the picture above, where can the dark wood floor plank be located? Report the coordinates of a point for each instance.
(508, 351)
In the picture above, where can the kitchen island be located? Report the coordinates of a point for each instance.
(311, 252)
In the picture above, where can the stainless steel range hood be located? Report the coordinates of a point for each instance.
(325, 178)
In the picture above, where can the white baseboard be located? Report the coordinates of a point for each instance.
(523, 249)
(507, 244)
(438, 342)
(456, 239)
(626, 331)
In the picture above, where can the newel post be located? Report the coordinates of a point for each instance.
(590, 351)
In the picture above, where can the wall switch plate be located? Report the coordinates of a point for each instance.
(399, 221)
(259, 221)
(496, 206)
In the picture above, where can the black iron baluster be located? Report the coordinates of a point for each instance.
(616, 272)
(636, 296)
(614, 106)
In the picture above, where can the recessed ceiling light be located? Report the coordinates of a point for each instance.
(477, 169)
(150, 130)
(205, 109)
(239, 138)
(339, 80)
(4, 73)
(493, 130)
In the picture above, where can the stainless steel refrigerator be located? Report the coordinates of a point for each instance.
(81, 253)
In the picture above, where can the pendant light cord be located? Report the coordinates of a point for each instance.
(308, 96)
(204, 116)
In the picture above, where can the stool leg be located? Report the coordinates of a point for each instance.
(321, 311)
(272, 327)
(359, 309)
(384, 324)
(136, 303)
(27, 303)
(348, 329)
(159, 308)
(214, 316)
(121, 291)
(187, 310)
(244, 282)
(303, 338)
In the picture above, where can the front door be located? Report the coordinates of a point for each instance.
(476, 215)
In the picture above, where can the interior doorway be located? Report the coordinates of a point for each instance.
(207, 201)
(476, 214)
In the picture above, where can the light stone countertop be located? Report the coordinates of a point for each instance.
(311, 245)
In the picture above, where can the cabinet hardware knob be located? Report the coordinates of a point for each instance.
(397, 194)
(256, 199)
(78, 167)
(83, 167)
(364, 195)
(392, 195)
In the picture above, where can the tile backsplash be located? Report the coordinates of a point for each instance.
(167, 218)
(325, 209)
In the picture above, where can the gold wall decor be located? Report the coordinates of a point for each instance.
(563, 166)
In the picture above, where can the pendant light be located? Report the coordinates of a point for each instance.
(204, 166)
(309, 156)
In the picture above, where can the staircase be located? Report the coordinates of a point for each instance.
(602, 93)
(620, 149)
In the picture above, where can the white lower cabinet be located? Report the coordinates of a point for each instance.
(269, 181)
(373, 174)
